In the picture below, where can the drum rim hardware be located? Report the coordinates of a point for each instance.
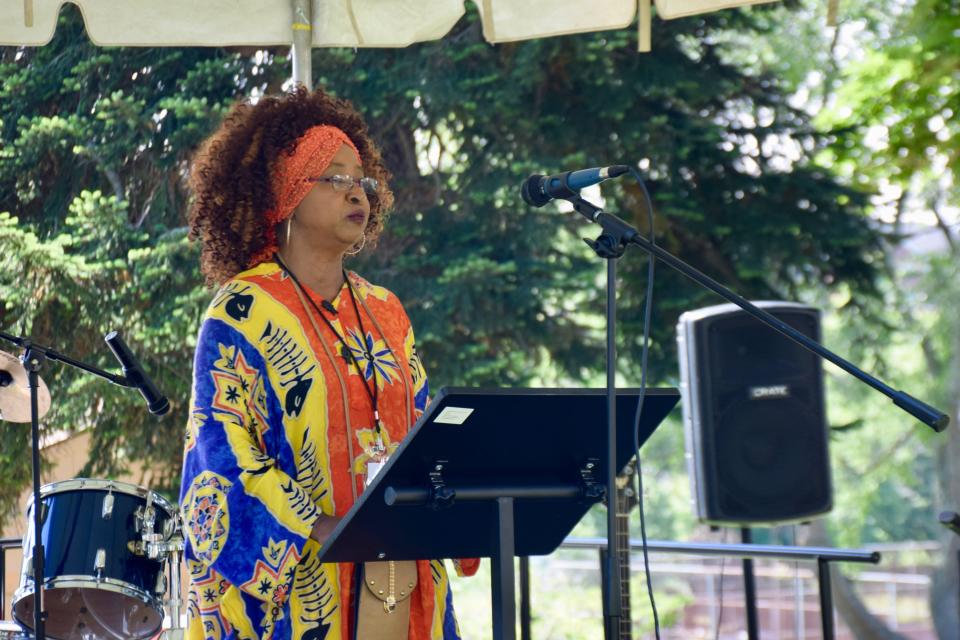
(99, 562)
(104, 584)
(106, 511)
(117, 486)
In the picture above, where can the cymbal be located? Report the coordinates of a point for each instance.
(15, 392)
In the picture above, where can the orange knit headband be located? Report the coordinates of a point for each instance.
(310, 157)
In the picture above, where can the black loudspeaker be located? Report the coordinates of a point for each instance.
(754, 415)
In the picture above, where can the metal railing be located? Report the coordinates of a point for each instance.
(822, 556)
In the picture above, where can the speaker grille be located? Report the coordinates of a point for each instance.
(754, 413)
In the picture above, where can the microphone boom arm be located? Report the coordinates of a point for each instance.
(624, 233)
(50, 354)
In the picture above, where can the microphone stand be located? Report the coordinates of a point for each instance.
(611, 245)
(33, 358)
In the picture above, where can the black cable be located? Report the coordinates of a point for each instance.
(643, 392)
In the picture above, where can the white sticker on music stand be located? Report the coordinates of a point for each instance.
(373, 468)
(453, 415)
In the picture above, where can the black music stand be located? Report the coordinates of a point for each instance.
(450, 489)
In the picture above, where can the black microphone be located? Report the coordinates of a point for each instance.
(538, 190)
(157, 404)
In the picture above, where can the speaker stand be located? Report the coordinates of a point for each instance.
(749, 589)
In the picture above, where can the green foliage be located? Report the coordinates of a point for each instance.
(888, 469)
(94, 145)
(896, 102)
(93, 148)
(727, 198)
(909, 91)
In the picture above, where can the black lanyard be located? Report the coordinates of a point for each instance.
(373, 394)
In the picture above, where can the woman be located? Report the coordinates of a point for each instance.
(306, 378)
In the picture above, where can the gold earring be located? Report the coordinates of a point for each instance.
(289, 222)
(360, 248)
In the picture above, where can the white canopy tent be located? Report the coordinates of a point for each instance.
(331, 23)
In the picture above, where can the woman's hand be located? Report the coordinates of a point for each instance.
(323, 527)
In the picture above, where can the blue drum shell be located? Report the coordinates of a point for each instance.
(73, 529)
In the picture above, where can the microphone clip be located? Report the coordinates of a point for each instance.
(610, 244)
(606, 246)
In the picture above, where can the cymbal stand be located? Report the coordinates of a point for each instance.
(33, 361)
(174, 604)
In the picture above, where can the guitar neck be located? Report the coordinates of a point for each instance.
(623, 560)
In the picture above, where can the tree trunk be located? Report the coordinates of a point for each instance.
(945, 588)
(945, 594)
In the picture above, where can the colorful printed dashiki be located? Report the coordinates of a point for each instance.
(268, 450)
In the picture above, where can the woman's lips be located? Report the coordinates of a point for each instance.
(357, 216)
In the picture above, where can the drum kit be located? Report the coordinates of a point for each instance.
(109, 550)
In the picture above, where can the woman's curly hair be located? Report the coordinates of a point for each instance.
(231, 174)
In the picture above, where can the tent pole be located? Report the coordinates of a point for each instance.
(302, 43)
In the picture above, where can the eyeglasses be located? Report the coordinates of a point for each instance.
(346, 183)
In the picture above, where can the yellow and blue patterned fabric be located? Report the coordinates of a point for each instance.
(278, 420)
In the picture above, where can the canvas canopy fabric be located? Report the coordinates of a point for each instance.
(334, 23)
